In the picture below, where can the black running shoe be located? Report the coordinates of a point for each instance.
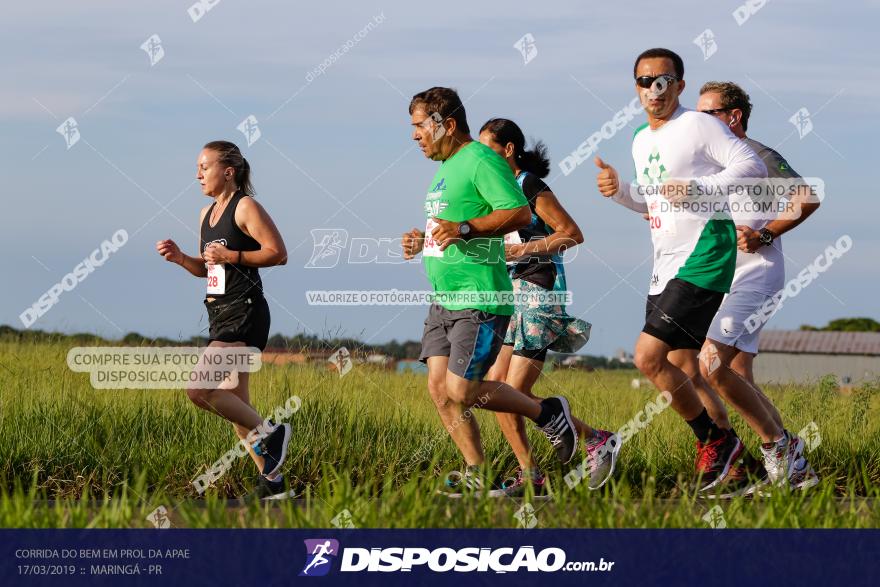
(560, 429)
(273, 449)
(715, 458)
(743, 478)
(267, 490)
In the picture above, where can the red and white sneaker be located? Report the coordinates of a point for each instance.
(715, 458)
(781, 458)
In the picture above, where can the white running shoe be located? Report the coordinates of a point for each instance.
(781, 457)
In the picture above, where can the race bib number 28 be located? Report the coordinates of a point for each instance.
(216, 279)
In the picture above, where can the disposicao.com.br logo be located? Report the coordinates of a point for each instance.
(442, 560)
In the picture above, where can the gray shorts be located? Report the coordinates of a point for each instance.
(470, 338)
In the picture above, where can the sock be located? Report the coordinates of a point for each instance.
(544, 417)
(704, 428)
(783, 440)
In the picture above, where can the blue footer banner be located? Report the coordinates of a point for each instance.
(437, 557)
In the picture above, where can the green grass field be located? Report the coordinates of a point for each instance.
(371, 443)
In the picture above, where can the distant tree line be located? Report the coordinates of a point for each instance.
(409, 349)
(591, 362)
(846, 325)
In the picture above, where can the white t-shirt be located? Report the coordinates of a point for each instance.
(764, 270)
(696, 244)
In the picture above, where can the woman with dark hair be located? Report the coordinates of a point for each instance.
(236, 237)
(539, 322)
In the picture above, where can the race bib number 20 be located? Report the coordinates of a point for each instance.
(662, 216)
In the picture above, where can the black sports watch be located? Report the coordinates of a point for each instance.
(766, 237)
(464, 230)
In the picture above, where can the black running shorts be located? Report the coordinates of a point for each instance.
(243, 320)
(681, 315)
(535, 355)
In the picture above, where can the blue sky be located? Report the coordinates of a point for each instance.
(345, 138)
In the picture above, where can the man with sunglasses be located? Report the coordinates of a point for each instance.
(676, 153)
(732, 340)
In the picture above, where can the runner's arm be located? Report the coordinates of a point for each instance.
(804, 203)
(256, 223)
(566, 233)
(495, 223)
(734, 155)
(625, 199)
(500, 222)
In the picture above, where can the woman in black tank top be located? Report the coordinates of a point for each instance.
(236, 237)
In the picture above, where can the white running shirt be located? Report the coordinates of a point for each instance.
(697, 245)
(764, 270)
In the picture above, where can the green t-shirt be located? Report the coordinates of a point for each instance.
(472, 183)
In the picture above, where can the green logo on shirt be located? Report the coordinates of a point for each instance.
(655, 173)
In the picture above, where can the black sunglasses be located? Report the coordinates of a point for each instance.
(646, 81)
(715, 111)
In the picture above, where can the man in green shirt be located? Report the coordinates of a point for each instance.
(472, 202)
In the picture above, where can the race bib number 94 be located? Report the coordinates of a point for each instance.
(432, 247)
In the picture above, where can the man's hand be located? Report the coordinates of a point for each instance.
(169, 249)
(216, 254)
(607, 180)
(748, 240)
(676, 190)
(445, 233)
(412, 243)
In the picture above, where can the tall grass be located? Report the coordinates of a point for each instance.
(371, 443)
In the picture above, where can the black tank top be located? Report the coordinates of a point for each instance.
(240, 281)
